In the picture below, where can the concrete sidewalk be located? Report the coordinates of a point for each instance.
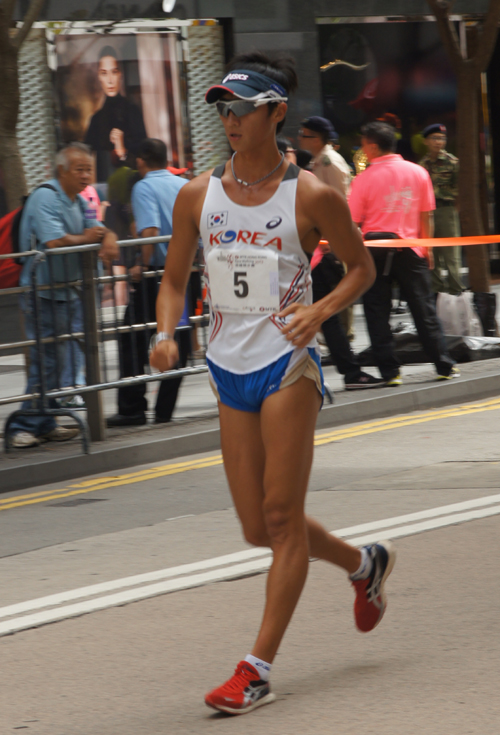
(195, 426)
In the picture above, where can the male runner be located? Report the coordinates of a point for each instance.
(258, 215)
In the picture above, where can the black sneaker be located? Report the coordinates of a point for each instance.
(364, 380)
(454, 373)
(118, 420)
(395, 380)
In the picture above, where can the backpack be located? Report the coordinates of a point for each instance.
(10, 268)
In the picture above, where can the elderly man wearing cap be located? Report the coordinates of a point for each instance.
(443, 170)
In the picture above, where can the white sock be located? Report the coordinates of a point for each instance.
(262, 667)
(365, 568)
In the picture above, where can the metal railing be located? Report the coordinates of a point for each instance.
(86, 287)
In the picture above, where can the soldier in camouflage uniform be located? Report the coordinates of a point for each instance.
(443, 169)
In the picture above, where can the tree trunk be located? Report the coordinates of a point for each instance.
(12, 166)
(10, 159)
(469, 182)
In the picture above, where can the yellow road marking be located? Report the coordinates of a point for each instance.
(412, 422)
(129, 478)
(105, 483)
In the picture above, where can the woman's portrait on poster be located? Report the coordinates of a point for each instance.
(117, 128)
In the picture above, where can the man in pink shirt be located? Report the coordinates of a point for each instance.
(394, 198)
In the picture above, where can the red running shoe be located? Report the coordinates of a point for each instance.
(242, 693)
(370, 602)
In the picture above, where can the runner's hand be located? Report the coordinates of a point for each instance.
(165, 355)
(304, 325)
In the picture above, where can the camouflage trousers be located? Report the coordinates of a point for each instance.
(447, 224)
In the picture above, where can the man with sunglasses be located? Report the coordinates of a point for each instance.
(316, 135)
(258, 216)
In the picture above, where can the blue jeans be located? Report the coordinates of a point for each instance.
(74, 363)
(54, 355)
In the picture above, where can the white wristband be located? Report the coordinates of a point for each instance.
(159, 337)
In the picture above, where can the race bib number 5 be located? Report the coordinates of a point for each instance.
(244, 281)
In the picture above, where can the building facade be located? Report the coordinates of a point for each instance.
(401, 66)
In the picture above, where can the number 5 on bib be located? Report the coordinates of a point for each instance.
(244, 281)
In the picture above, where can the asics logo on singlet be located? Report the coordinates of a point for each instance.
(245, 237)
(217, 219)
(235, 78)
(274, 222)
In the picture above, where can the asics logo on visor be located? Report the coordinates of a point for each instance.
(234, 77)
(243, 107)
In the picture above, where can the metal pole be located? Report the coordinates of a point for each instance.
(93, 399)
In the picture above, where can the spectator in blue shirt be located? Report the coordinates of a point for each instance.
(54, 216)
(153, 200)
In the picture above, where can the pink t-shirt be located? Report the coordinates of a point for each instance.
(389, 197)
(93, 209)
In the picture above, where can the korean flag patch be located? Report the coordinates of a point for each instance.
(217, 219)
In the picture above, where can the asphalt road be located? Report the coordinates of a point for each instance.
(152, 597)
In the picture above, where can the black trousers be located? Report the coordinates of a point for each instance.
(325, 277)
(134, 348)
(413, 277)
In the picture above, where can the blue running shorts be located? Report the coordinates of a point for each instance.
(247, 392)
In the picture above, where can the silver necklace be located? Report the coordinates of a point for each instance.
(252, 183)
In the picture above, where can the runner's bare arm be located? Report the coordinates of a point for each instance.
(180, 255)
(322, 208)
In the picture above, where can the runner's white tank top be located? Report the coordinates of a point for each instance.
(244, 343)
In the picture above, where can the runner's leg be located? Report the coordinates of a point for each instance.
(288, 420)
(274, 451)
(244, 460)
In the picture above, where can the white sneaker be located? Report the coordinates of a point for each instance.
(73, 402)
(24, 439)
(60, 434)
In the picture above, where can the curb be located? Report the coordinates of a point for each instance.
(146, 451)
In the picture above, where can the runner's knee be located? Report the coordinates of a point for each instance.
(280, 520)
(256, 534)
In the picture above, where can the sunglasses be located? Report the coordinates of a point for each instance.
(303, 135)
(243, 107)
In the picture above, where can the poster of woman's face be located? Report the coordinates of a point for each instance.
(114, 91)
(109, 75)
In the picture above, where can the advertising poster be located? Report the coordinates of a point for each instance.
(115, 90)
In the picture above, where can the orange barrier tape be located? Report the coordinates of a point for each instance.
(435, 242)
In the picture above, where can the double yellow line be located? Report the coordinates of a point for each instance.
(103, 483)
(396, 423)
